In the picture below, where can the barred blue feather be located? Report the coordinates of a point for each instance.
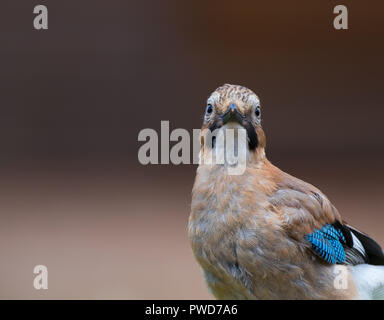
(328, 242)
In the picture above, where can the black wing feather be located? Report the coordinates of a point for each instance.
(372, 249)
(371, 252)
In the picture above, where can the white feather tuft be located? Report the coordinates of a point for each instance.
(369, 280)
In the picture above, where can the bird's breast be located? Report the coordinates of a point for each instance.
(228, 212)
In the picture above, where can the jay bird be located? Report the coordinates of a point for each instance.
(265, 234)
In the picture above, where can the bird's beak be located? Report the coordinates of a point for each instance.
(232, 114)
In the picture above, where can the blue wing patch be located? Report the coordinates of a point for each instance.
(328, 243)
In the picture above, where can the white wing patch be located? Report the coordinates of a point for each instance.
(358, 245)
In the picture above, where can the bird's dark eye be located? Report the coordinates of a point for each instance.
(209, 109)
(257, 112)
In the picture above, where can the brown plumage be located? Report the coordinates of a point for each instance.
(248, 231)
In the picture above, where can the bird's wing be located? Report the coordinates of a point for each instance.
(309, 217)
(360, 248)
(328, 242)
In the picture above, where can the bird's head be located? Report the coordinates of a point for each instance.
(234, 106)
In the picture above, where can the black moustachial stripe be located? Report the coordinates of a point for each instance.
(251, 132)
(252, 135)
(214, 126)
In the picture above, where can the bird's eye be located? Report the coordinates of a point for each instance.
(257, 111)
(209, 109)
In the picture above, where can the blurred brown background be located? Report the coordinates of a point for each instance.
(73, 98)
